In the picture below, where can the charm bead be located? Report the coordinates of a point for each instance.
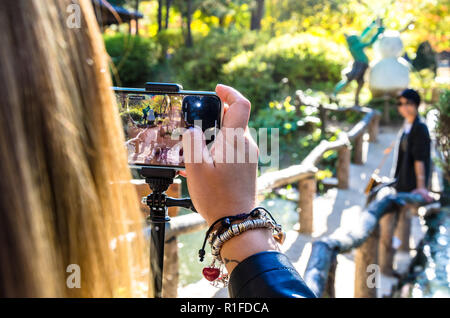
(211, 273)
(257, 218)
(226, 223)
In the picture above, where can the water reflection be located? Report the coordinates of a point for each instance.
(284, 211)
(434, 280)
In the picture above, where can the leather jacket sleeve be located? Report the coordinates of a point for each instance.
(267, 275)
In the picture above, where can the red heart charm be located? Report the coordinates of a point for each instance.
(211, 273)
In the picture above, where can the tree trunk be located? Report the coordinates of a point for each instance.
(160, 5)
(168, 4)
(189, 41)
(222, 21)
(137, 20)
(257, 15)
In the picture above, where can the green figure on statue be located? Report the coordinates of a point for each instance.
(361, 61)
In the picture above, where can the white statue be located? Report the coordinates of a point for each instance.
(390, 73)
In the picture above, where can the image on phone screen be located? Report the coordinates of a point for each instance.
(154, 123)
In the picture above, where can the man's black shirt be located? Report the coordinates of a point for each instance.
(414, 146)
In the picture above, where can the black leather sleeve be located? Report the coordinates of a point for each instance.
(267, 275)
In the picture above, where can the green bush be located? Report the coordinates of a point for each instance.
(299, 61)
(200, 67)
(135, 59)
(278, 115)
(135, 114)
(298, 129)
(379, 104)
(443, 133)
(170, 40)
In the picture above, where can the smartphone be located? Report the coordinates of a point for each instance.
(155, 118)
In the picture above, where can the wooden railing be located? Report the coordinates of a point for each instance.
(371, 236)
(304, 174)
(364, 236)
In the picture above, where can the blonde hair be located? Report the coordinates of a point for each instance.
(65, 195)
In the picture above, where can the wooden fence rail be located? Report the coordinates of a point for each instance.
(363, 236)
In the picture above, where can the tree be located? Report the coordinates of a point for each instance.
(257, 15)
(221, 8)
(136, 8)
(187, 8)
(129, 4)
(160, 6)
(168, 5)
(189, 41)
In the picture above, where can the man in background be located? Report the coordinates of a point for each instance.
(412, 165)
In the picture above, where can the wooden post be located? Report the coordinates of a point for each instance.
(374, 128)
(330, 290)
(366, 280)
(386, 110)
(343, 167)
(386, 250)
(307, 192)
(323, 118)
(358, 150)
(403, 230)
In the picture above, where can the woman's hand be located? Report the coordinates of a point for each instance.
(219, 183)
(222, 181)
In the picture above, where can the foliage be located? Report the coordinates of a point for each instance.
(134, 58)
(281, 115)
(301, 45)
(379, 104)
(200, 67)
(170, 40)
(443, 131)
(299, 61)
(299, 131)
(135, 114)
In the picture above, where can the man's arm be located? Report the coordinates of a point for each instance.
(419, 169)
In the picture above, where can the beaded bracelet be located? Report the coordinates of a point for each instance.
(227, 231)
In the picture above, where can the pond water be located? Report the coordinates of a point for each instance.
(429, 271)
(284, 212)
(432, 263)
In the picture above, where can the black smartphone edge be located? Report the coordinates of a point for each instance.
(154, 92)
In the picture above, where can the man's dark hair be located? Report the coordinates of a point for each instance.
(411, 95)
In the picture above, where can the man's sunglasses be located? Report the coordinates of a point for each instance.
(406, 104)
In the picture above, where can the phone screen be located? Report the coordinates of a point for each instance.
(154, 123)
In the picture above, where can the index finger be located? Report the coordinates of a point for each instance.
(238, 112)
